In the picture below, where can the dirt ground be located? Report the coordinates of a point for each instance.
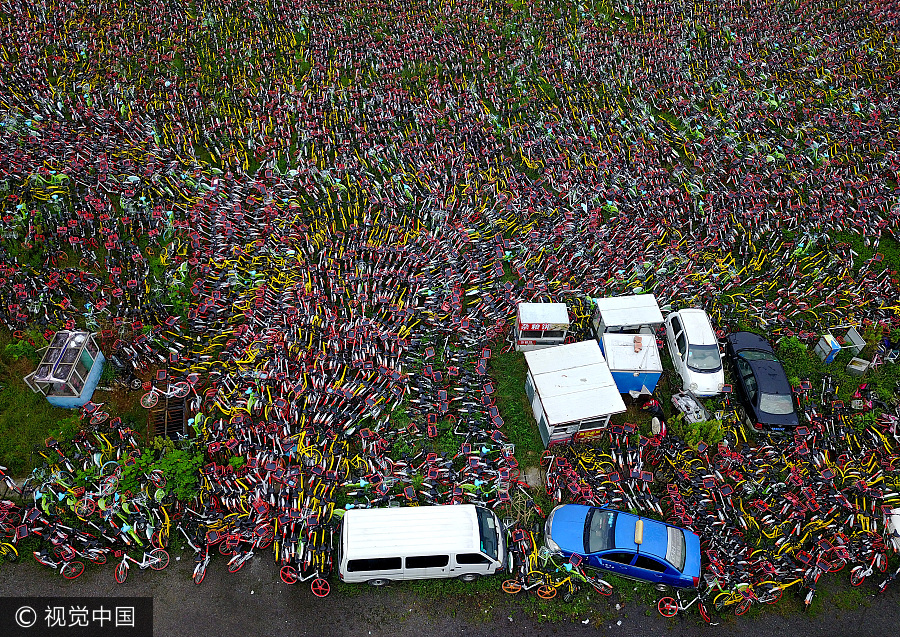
(255, 602)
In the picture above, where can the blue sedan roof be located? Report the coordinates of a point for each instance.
(568, 527)
(656, 537)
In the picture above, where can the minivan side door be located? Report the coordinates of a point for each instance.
(463, 563)
(426, 566)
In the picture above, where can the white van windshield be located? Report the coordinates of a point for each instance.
(487, 529)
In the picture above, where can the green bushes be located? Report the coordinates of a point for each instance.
(709, 432)
(180, 467)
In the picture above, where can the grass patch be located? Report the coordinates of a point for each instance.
(26, 418)
(508, 370)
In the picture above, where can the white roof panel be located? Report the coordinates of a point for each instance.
(554, 359)
(620, 352)
(552, 313)
(638, 309)
(574, 382)
(404, 531)
(583, 405)
(698, 328)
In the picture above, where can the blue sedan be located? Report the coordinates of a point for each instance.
(626, 545)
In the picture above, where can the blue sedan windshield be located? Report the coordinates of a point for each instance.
(599, 531)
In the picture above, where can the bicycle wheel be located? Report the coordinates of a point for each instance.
(98, 558)
(289, 574)
(667, 607)
(121, 572)
(72, 570)
(180, 390)
(836, 566)
(320, 587)
(701, 607)
(160, 539)
(236, 565)
(545, 591)
(199, 575)
(159, 559)
(149, 400)
(603, 588)
(85, 508)
(9, 552)
(512, 586)
(742, 606)
(775, 595)
(857, 576)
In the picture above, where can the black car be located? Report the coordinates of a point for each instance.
(762, 385)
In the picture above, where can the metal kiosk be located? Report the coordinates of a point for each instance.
(540, 325)
(571, 391)
(69, 371)
(638, 313)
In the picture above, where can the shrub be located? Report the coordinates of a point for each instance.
(181, 469)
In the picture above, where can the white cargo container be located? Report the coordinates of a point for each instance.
(571, 391)
(540, 325)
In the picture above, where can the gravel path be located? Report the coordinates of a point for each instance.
(255, 602)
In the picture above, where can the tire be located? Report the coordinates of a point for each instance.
(468, 577)
(775, 596)
(603, 588)
(704, 613)
(149, 400)
(234, 567)
(545, 591)
(378, 582)
(742, 607)
(857, 577)
(121, 573)
(160, 559)
(320, 587)
(568, 597)
(85, 508)
(99, 559)
(289, 574)
(198, 577)
(511, 586)
(135, 384)
(72, 570)
(667, 607)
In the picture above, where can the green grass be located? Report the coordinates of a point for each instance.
(508, 371)
(26, 418)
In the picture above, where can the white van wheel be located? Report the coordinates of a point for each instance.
(469, 577)
(379, 582)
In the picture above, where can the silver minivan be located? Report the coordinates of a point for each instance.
(378, 546)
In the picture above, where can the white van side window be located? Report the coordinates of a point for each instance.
(472, 558)
(427, 561)
(374, 564)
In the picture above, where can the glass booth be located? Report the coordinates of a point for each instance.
(69, 370)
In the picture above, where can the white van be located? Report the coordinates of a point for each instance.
(382, 545)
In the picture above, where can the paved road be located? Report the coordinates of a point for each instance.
(254, 602)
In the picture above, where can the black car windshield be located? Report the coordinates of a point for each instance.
(776, 404)
(704, 358)
(599, 531)
(487, 529)
(757, 355)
